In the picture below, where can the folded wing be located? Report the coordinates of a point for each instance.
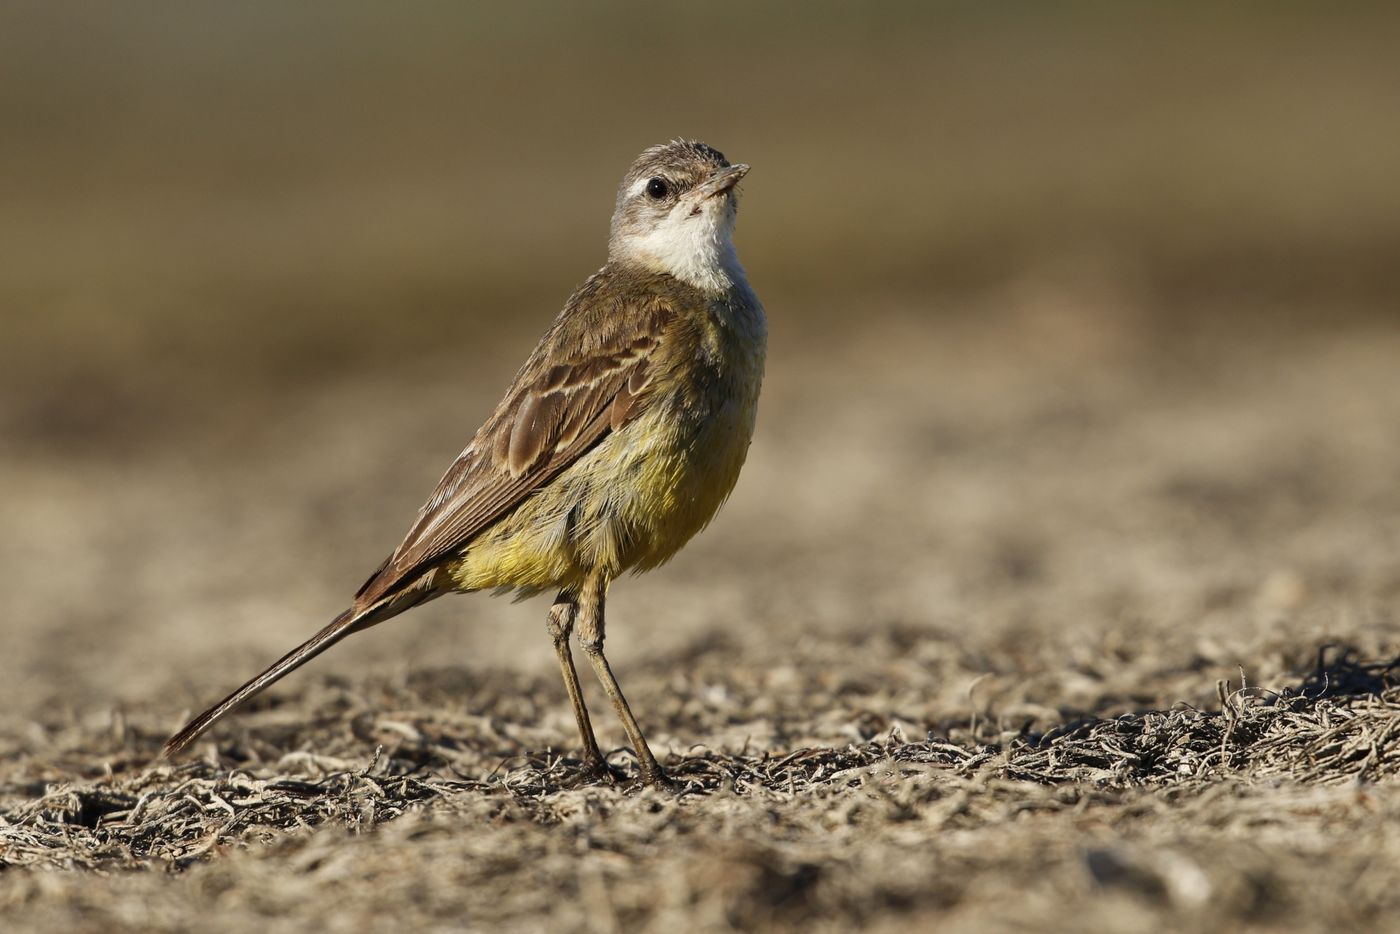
(588, 377)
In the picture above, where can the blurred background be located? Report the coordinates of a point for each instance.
(1084, 320)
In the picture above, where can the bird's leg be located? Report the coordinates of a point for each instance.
(560, 623)
(590, 634)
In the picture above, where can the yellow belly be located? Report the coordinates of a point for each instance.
(630, 503)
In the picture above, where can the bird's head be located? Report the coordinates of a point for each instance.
(675, 214)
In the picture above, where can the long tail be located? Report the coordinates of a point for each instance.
(340, 627)
(356, 618)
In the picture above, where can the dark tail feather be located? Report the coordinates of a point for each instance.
(340, 627)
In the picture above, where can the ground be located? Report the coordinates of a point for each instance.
(1082, 632)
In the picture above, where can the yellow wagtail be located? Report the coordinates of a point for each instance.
(619, 439)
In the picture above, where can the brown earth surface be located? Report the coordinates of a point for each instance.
(1040, 615)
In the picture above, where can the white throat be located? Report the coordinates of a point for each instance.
(697, 249)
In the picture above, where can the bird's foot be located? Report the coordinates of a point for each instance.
(654, 776)
(598, 771)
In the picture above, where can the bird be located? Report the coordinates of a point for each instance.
(617, 441)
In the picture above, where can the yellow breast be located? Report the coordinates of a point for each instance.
(645, 490)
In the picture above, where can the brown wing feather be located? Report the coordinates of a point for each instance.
(587, 377)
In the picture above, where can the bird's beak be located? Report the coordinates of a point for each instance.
(721, 181)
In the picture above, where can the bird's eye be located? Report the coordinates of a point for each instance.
(657, 189)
